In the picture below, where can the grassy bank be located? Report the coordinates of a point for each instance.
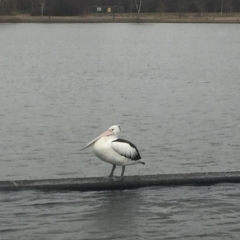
(125, 18)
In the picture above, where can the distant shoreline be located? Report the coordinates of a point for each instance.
(126, 18)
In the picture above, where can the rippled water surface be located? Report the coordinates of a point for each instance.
(155, 213)
(175, 90)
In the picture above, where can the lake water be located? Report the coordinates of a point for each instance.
(175, 91)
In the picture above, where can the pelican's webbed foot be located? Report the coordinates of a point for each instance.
(109, 177)
(117, 178)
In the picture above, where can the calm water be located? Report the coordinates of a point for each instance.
(174, 88)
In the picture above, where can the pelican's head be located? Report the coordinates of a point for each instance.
(116, 130)
(112, 131)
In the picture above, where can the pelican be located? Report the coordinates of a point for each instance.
(118, 152)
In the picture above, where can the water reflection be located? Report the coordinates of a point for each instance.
(118, 210)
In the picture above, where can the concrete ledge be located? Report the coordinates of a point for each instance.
(129, 182)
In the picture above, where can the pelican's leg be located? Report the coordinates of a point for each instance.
(111, 174)
(123, 170)
(121, 177)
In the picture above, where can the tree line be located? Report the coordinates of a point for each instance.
(79, 7)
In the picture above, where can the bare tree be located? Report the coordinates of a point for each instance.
(228, 6)
(161, 7)
(42, 3)
(181, 7)
(138, 6)
(131, 7)
(32, 5)
(222, 8)
(6, 6)
(200, 5)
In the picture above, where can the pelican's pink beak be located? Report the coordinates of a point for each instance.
(107, 133)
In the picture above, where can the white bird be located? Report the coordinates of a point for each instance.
(118, 152)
